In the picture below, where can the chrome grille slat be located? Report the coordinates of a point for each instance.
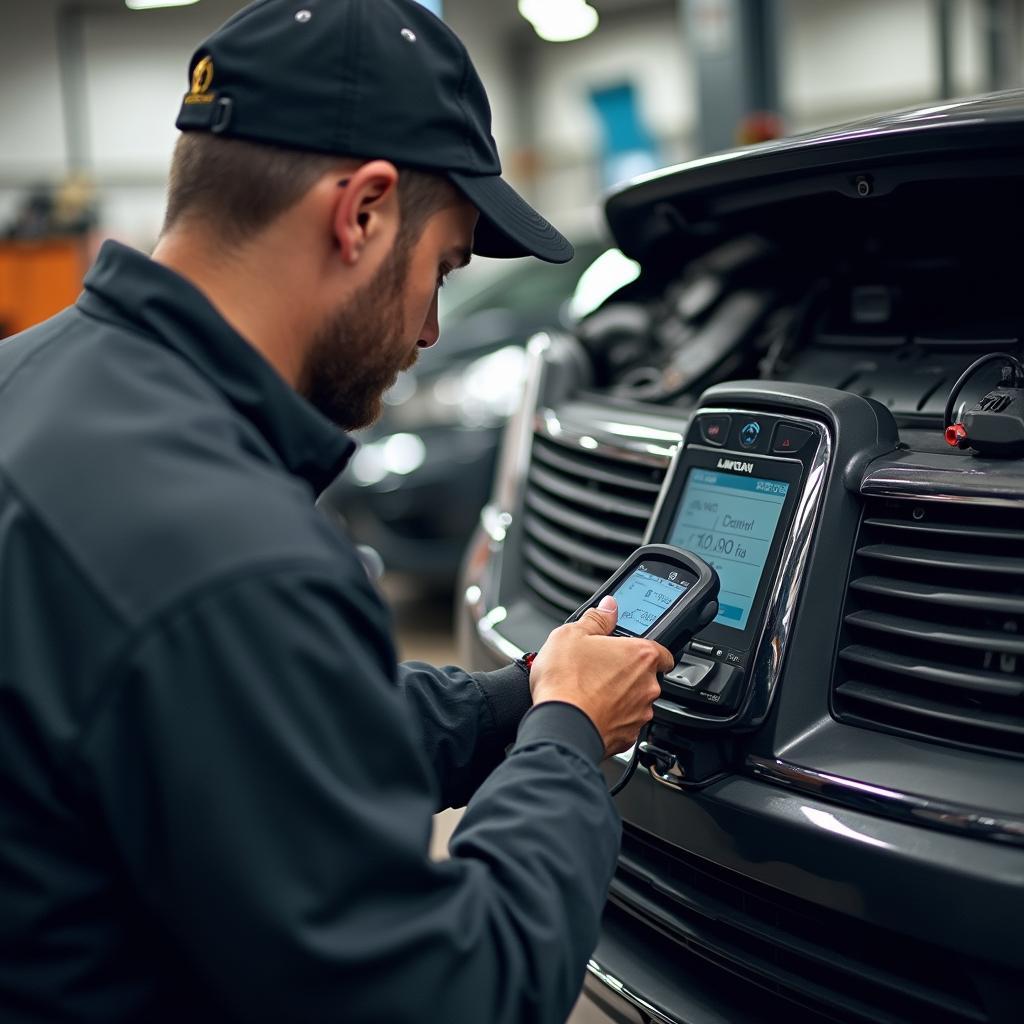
(585, 511)
(599, 500)
(546, 454)
(551, 567)
(547, 590)
(561, 541)
(626, 540)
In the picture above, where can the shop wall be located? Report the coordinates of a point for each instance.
(845, 60)
(841, 58)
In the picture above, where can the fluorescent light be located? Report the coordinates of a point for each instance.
(149, 5)
(560, 21)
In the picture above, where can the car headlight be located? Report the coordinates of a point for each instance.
(481, 393)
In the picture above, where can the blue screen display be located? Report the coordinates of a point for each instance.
(730, 522)
(646, 594)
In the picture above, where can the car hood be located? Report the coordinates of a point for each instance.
(643, 212)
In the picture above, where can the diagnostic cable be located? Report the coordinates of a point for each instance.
(994, 425)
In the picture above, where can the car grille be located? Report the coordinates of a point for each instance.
(933, 634)
(822, 960)
(584, 513)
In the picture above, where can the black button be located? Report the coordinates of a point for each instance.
(719, 683)
(715, 429)
(749, 433)
(789, 438)
(707, 614)
(699, 647)
(690, 676)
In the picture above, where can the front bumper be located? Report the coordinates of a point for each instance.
(747, 901)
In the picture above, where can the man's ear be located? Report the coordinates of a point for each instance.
(366, 211)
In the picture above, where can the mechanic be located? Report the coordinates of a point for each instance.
(216, 785)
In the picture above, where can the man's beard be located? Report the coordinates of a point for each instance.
(357, 355)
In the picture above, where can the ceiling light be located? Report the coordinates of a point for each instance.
(149, 5)
(560, 21)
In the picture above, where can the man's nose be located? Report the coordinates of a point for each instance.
(430, 331)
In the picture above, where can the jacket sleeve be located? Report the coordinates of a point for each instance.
(265, 785)
(467, 721)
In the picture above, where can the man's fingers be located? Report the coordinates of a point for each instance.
(666, 660)
(600, 621)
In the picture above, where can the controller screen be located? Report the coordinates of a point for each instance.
(647, 593)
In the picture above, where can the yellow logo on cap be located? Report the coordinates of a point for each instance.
(202, 79)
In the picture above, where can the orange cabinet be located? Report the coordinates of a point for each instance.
(38, 279)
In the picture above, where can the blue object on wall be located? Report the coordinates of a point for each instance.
(433, 6)
(629, 149)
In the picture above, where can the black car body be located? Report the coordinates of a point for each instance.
(842, 837)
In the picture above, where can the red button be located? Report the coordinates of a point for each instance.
(789, 438)
(715, 429)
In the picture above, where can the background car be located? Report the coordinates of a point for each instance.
(422, 473)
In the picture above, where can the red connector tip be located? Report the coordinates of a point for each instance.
(956, 436)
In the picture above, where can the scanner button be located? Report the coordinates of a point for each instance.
(700, 647)
(690, 676)
(706, 616)
(749, 433)
(715, 429)
(789, 438)
(720, 681)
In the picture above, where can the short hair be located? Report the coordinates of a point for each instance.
(240, 187)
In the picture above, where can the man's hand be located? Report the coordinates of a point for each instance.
(611, 679)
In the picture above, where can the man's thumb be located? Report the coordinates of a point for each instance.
(601, 620)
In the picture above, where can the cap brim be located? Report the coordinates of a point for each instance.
(508, 225)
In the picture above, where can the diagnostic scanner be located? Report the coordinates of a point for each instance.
(664, 594)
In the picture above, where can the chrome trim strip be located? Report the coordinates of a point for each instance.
(780, 608)
(889, 803)
(945, 477)
(920, 488)
(596, 971)
(517, 440)
(647, 445)
(486, 620)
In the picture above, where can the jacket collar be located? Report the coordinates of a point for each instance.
(128, 287)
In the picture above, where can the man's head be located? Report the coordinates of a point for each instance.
(348, 143)
(372, 242)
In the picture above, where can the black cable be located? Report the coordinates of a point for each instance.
(991, 357)
(627, 773)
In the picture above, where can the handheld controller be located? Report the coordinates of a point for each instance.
(664, 594)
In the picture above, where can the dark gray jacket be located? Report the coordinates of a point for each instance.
(216, 785)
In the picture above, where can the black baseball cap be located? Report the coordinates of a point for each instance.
(364, 78)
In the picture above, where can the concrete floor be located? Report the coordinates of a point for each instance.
(425, 633)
